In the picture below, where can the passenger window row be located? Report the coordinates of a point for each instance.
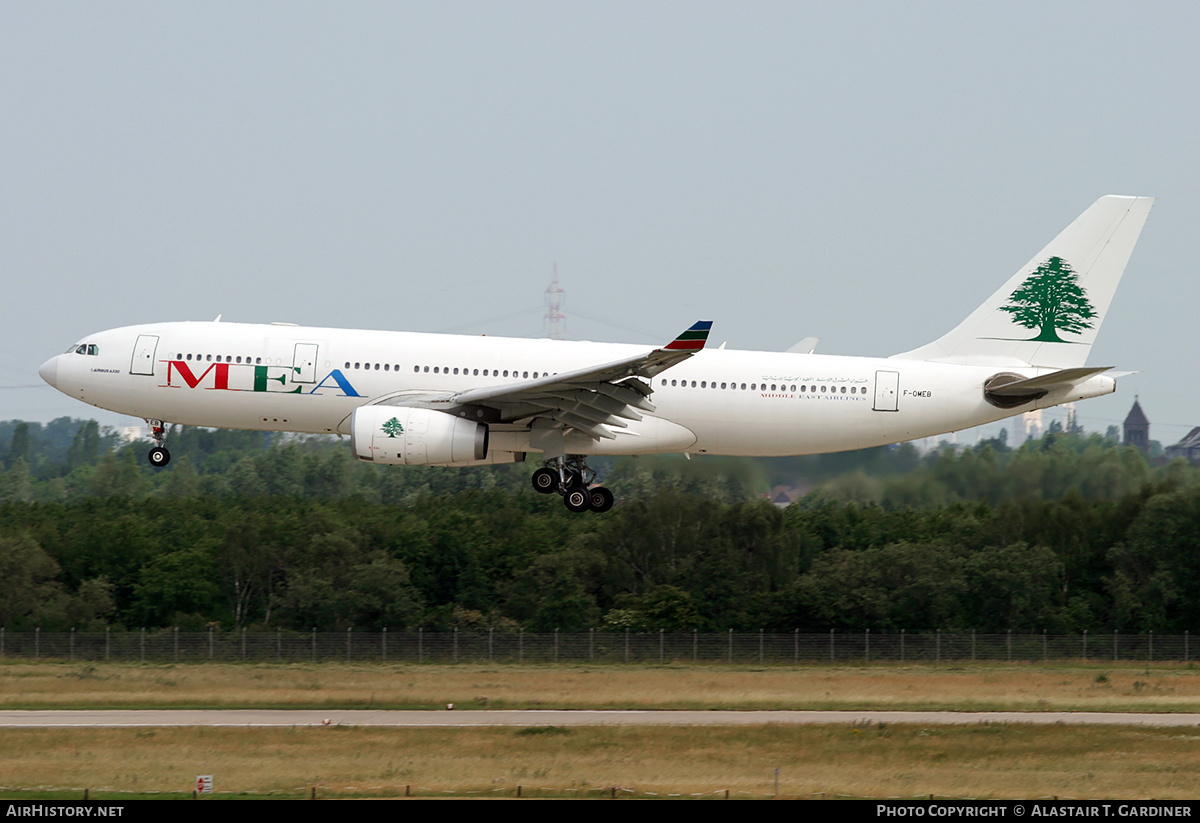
(448, 370)
(804, 388)
(219, 358)
(368, 366)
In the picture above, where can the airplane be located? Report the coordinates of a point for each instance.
(415, 399)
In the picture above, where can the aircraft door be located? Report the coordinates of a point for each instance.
(143, 354)
(887, 390)
(305, 363)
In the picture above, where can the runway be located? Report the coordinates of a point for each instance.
(251, 718)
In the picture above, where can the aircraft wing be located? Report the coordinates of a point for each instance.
(591, 400)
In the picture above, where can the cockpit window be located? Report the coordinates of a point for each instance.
(93, 349)
(85, 348)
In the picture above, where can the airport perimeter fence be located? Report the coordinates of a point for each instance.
(420, 646)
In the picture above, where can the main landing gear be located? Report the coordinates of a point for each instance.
(159, 456)
(571, 477)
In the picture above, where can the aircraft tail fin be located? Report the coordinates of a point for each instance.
(1049, 312)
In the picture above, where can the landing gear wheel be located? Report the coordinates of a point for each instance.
(159, 456)
(577, 499)
(570, 476)
(601, 499)
(545, 481)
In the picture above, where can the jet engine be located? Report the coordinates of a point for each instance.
(402, 436)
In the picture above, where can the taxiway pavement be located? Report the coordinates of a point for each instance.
(309, 717)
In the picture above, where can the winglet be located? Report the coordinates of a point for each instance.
(691, 340)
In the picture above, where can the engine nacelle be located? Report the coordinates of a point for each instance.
(415, 437)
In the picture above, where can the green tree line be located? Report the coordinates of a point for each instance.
(1066, 533)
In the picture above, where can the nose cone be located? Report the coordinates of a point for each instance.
(49, 371)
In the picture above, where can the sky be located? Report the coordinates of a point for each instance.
(862, 172)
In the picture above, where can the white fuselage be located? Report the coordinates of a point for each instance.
(301, 379)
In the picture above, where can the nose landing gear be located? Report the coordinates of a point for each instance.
(159, 456)
(571, 477)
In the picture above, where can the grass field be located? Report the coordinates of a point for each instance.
(981, 687)
(814, 761)
(996, 760)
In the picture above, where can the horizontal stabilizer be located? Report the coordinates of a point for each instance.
(1043, 384)
(1008, 390)
(806, 346)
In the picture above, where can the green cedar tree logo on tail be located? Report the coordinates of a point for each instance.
(1051, 300)
(392, 428)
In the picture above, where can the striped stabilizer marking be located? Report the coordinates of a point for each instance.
(693, 339)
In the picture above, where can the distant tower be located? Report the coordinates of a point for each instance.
(1033, 424)
(1073, 426)
(554, 308)
(1137, 427)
